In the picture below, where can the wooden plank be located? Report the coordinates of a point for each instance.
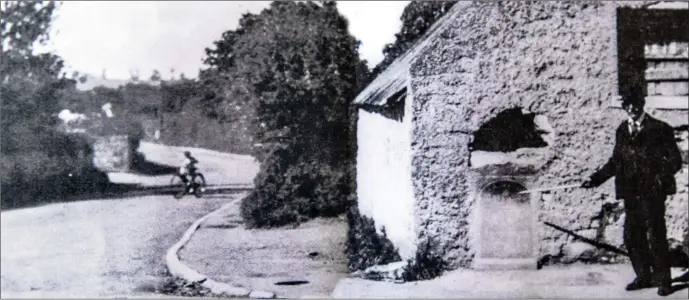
(667, 71)
(673, 50)
(668, 88)
(681, 88)
(670, 5)
(658, 102)
(668, 102)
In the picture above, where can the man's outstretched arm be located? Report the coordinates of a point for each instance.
(608, 170)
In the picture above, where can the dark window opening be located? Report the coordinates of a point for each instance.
(508, 131)
(653, 52)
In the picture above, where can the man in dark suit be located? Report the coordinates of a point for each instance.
(644, 161)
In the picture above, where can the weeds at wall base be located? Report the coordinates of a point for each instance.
(364, 246)
(426, 264)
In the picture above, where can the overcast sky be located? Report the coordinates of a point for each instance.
(120, 36)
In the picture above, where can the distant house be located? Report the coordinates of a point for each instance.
(92, 82)
(500, 97)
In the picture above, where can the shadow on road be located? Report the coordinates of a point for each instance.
(217, 196)
(679, 287)
(117, 191)
(127, 191)
(140, 165)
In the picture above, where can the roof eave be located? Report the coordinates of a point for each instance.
(394, 78)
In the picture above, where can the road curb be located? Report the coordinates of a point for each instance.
(178, 269)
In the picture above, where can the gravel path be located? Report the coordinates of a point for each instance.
(225, 251)
(575, 281)
(98, 248)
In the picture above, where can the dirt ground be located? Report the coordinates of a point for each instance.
(576, 281)
(97, 248)
(257, 259)
(110, 247)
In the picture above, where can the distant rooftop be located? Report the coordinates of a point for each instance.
(93, 81)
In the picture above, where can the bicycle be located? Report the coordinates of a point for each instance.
(197, 184)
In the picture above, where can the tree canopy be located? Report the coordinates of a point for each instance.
(417, 18)
(35, 156)
(30, 82)
(296, 67)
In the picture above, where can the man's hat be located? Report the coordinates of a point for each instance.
(634, 95)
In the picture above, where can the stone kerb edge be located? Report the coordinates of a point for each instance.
(178, 269)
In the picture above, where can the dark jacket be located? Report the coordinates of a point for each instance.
(645, 164)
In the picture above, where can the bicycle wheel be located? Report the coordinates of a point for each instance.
(182, 192)
(176, 182)
(200, 185)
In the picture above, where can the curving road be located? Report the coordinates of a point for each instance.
(97, 248)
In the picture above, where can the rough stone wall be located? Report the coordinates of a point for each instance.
(556, 59)
(112, 153)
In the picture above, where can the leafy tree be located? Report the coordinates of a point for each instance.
(176, 95)
(36, 157)
(297, 67)
(228, 98)
(416, 19)
(222, 56)
(140, 97)
(300, 62)
(155, 77)
(24, 23)
(29, 81)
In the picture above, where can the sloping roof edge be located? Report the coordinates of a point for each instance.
(394, 77)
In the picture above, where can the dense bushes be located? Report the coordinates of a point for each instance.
(299, 93)
(63, 168)
(191, 129)
(37, 160)
(364, 246)
(290, 191)
(425, 265)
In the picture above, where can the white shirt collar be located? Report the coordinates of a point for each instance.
(637, 123)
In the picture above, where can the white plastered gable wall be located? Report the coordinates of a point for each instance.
(384, 183)
(385, 190)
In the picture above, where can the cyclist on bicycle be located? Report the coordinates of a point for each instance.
(188, 167)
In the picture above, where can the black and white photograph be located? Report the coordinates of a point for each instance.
(344, 149)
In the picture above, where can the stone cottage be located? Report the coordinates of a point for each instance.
(502, 97)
